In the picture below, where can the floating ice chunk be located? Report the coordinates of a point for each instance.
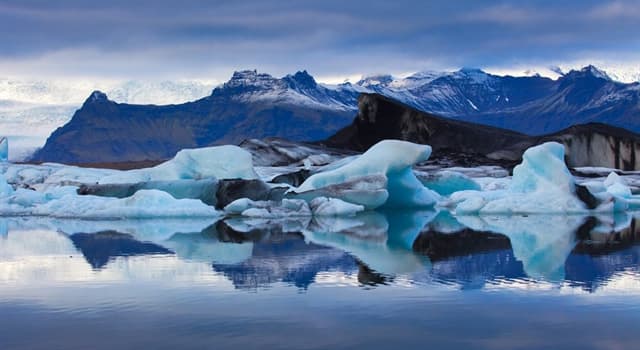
(447, 182)
(616, 185)
(4, 149)
(268, 209)
(221, 162)
(540, 184)
(323, 206)
(392, 159)
(542, 169)
(143, 204)
(239, 205)
(622, 197)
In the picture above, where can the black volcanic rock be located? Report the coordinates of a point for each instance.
(382, 118)
(250, 105)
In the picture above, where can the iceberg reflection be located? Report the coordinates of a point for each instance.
(373, 247)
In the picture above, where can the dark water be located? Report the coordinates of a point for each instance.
(405, 280)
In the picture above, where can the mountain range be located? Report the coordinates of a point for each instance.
(250, 104)
(296, 107)
(534, 105)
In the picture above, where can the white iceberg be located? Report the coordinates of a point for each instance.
(541, 184)
(64, 203)
(220, 162)
(391, 159)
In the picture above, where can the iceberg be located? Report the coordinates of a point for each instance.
(541, 184)
(388, 159)
(64, 203)
(220, 162)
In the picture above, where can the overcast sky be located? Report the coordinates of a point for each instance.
(332, 39)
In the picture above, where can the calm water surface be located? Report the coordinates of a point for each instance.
(376, 281)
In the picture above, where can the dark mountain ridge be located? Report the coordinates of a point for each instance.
(380, 118)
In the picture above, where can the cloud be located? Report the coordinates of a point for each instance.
(209, 39)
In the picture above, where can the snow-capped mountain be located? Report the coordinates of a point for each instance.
(299, 89)
(250, 104)
(529, 104)
(620, 72)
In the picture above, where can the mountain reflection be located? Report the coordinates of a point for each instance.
(373, 248)
(98, 248)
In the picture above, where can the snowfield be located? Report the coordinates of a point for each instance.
(222, 181)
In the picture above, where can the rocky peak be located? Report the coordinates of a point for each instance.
(250, 78)
(589, 71)
(373, 80)
(472, 74)
(96, 97)
(302, 79)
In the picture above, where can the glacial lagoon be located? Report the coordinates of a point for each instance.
(375, 280)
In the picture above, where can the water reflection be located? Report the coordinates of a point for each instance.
(423, 247)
